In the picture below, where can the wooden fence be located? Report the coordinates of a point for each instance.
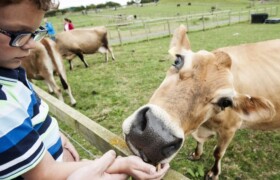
(94, 133)
(150, 29)
(133, 30)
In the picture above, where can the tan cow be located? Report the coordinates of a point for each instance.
(205, 94)
(83, 41)
(43, 62)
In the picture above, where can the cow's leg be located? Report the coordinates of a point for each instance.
(67, 88)
(50, 89)
(111, 52)
(70, 64)
(104, 50)
(51, 81)
(201, 135)
(81, 56)
(224, 138)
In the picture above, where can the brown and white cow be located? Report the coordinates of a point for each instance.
(83, 41)
(205, 94)
(43, 62)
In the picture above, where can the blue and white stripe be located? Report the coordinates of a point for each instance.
(26, 129)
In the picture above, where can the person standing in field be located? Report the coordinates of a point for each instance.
(68, 25)
(49, 27)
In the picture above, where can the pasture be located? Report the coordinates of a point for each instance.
(163, 9)
(108, 93)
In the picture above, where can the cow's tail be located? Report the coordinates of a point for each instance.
(56, 60)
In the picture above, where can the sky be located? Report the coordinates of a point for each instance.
(70, 3)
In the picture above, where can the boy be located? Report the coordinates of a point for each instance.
(31, 146)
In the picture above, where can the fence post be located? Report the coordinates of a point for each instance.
(110, 35)
(187, 22)
(229, 18)
(169, 30)
(249, 15)
(120, 37)
(217, 20)
(203, 23)
(147, 33)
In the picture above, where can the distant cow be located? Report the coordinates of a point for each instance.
(43, 62)
(83, 41)
(206, 94)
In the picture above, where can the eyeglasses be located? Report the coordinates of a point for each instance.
(19, 39)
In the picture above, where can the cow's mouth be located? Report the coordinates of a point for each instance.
(151, 135)
(156, 155)
(142, 155)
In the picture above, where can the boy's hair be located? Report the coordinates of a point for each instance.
(41, 4)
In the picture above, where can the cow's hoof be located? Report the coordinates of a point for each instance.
(193, 157)
(210, 176)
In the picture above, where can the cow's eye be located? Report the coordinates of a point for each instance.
(179, 62)
(224, 102)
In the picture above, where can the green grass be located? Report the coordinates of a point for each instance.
(108, 93)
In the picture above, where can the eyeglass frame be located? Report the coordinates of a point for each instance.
(14, 35)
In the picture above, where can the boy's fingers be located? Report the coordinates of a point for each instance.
(144, 167)
(106, 160)
(163, 170)
(118, 176)
(161, 173)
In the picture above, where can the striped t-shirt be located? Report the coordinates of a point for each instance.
(26, 129)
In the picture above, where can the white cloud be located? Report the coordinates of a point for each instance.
(71, 3)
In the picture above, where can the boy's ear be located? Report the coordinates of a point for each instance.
(253, 108)
(179, 41)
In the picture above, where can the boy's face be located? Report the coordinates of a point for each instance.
(22, 17)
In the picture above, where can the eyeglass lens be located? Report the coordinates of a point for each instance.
(21, 39)
(40, 36)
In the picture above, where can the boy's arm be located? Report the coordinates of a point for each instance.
(48, 168)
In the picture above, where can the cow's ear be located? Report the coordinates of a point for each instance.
(222, 59)
(253, 108)
(179, 42)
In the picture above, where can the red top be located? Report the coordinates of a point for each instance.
(71, 26)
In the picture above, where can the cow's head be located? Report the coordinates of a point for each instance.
(198, 87)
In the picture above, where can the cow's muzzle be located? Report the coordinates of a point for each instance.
(151, 135)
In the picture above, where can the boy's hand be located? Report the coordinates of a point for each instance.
(70, 153)
(137, 168)
(97, 169)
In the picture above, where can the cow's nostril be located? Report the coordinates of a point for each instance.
(144, 123)
(171, 148)
(142, 120)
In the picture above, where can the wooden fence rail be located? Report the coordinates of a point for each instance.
(95, 134)
(150, 29)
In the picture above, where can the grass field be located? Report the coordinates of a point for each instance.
(108, 93)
